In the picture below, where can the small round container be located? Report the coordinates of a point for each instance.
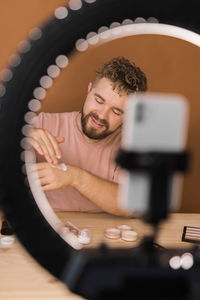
(112, 233)
(124, 227)
(7, 240)
(129, 235)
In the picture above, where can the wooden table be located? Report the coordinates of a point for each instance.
(22, 278)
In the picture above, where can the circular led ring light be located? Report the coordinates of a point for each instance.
(32, 71)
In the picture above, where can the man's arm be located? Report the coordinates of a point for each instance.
(100, 191)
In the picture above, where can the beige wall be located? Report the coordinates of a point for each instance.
(171, 66)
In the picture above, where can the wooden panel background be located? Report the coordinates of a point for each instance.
(171, 66)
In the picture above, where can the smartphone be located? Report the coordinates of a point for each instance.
(152, 122)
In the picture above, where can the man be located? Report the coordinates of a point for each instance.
(87, 142)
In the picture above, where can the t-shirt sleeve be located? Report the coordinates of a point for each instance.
(38, 121)
(117, 169)
(116, 175)
(48, 121)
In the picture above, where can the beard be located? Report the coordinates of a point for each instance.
(91, 132)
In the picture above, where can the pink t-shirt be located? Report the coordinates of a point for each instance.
(97, 158)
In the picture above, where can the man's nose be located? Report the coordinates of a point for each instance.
(103, 114)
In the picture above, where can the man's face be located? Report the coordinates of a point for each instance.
(103, 110)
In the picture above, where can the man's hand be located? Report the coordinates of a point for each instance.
(46, 144)
(51, 178)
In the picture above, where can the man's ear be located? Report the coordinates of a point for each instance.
(89, 86)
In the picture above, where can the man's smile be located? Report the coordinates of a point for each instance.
(96, 123)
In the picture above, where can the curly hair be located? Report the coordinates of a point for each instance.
(125, 75)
